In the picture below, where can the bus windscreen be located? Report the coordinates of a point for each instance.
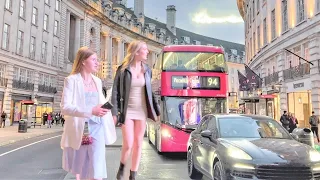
(194, 61)
(182, 112)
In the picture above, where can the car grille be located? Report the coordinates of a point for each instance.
(279, 172)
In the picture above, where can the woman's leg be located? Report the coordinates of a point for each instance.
(139, 129)
(127, 141)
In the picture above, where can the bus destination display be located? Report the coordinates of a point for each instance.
(195, 82)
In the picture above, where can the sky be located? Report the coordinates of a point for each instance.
(214, 18)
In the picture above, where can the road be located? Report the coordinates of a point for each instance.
(42, 160)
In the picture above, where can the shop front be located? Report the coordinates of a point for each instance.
(44, 104)
(260, 105)
(21, 108)
(299, 101)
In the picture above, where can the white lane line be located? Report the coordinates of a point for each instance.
(28, 145)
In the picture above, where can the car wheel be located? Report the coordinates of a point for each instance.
(192, 171)
(218, 173)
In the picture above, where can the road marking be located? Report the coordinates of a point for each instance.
(28, 145)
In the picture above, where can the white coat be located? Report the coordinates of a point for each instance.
(75, 112)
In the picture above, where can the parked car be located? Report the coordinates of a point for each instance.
(228, 147)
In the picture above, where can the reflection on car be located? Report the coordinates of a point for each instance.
(227, 147)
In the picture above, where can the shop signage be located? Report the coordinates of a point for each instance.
(298, 85)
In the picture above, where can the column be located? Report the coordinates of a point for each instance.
(283, 87)
(67, 37)
(77, 36)
(8, 93)
(314, 73)
(120, 50)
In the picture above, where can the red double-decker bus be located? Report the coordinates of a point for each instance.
(191, 81)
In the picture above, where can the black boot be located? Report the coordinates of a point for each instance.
(132, 175)
(120, 171)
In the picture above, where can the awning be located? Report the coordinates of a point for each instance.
(27, 102)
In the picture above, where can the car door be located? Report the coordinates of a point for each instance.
(197, 149)
(209, 145)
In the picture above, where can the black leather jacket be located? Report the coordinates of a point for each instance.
(152, 103)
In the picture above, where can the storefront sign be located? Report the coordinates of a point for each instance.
(298, 85)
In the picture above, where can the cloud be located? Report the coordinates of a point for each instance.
(203, 17)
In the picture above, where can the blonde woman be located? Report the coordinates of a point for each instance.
(88, 127)
(133, 102)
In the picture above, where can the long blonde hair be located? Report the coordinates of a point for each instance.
(82, 54)
(133, 48)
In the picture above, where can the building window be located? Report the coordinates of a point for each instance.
(20, 43)
(5, 36)
(234, 51)
(44, 52)
(54, 56)
(22, 12)
(8, 4)
(273, 24)
(29, 76)
(15, 73)
(284, 15)
(57, 5)
(46, 79)
(45, 22)
(232, 80)
(258, 36)
(34, 16)
(56, 28)
(300, 9)
(253, 9)
(264, 31)
(32, 47)
(318, 5)
(22, 75)
(258, 5)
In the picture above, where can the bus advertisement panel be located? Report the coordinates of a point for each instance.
(190, 81)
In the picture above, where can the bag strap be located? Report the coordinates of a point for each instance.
(121, 92)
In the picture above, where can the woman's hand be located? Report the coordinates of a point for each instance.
(115, 119)
(98, 111)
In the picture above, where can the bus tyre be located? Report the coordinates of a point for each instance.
(192, 171)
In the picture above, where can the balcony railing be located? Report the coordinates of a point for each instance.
(272, 78)
(297, 71)
(22, 85)
(47, 89)
(3, 82)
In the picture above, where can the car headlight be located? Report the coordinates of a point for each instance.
(314, 156)
(238, 153)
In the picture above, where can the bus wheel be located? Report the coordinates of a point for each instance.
(156, 143)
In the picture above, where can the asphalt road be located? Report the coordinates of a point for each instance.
(42, 160)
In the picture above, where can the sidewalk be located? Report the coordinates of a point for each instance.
(10, 134)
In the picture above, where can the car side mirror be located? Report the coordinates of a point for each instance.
(206, 133)
(296, 137)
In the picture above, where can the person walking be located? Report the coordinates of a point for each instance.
(133, 102)
(314, 123)
(88, 127)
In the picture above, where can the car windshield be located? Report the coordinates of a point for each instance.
(187, 112)
(194, 61)
(246, 127)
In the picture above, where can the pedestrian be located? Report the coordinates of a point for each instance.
(88, 127)
(133, 102)
(49, 120)
(293, 122)
(3, 119)
(284, 119)
(314, 122)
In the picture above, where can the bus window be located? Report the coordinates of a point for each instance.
(189, 111)
(194, 61)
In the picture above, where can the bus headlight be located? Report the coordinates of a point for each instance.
(165, 133)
